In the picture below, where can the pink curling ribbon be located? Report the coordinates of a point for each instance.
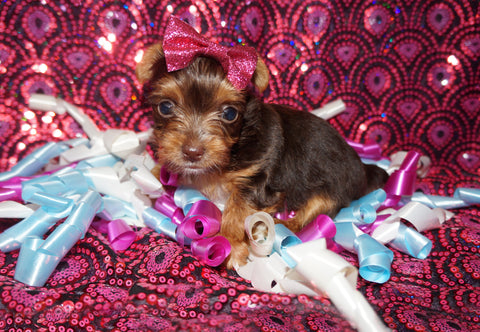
(166, 205)
(320, 227)
(371, 151)
(211, 250)
(168, 180)
(120, 234)
(202, 220)
(182, 44)
(402, 181)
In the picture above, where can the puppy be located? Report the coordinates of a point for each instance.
(225, 142)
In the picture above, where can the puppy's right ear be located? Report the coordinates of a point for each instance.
(152, 64)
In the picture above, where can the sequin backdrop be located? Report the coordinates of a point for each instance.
(407, 70)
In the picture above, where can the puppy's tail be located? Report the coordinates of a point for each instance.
(376, 177)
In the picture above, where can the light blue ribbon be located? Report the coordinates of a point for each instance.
(363, 210)
(184, 197)
(37, 224)
(411, 242)
(159, 223)
(106, 160)
(462, 197)
(39, 258)
(373, 257)
(285, 238)
(35, 161)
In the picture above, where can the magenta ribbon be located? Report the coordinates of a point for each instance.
(168, 180)
(320, 227)
(202, 220)
(182, 44)
(371, 151)
(120, 234)
(402, 181)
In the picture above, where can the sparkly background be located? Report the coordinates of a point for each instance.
(408, 71)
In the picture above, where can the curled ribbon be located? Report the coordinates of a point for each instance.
(371, 151)
(402, 181)
(329, 273)
(363, 210)
(285, 238)
(120, 234)
(38, 258)
(373, 257)
(182, 44)
(320, 227)
(462, 197)
(34, 162)
(260, 230)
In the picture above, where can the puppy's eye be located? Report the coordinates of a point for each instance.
(229, 114)
(165, 108)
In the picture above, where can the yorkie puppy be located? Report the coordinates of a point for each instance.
(212, 130)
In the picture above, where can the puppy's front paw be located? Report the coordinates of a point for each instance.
(238, 255)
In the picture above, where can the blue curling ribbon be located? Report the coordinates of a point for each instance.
(159, 223)
(285, 238)
(185, 197)
(411, 242)
(360, 214)
(443, 202)
(52, 204)
(106, 160)
(39, 258)
(37, 224)
(374, 199)
(374, 259)
(364, 209)
(34, 162)
(470, 196)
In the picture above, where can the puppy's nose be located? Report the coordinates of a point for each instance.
(193, 153)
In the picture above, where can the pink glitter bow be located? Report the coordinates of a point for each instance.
(182, 44)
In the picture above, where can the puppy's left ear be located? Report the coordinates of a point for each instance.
(261, 76)
(152, 64)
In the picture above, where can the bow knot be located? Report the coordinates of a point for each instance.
(182, 44)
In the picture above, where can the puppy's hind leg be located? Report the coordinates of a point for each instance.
(319, 204)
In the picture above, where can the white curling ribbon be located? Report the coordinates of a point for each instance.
(12, 209)
(106, 181)
(328, 273)
(260, 244)
(397, 158)
(264, 272)
(330, 110)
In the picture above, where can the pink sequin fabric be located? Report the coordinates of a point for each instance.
(408, 71)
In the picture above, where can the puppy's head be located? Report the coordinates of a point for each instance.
(198, 114)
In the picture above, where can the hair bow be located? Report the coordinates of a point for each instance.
(182, 44)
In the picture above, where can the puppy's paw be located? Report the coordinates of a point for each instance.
(238, 255)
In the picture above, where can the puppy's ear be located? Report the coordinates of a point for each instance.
(261, 76)
(152, 64)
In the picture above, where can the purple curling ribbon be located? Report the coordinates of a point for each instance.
(120, 234)
(402, 181)
(371, 151)
(320, 227)
(168, 180)
(166, 205)
(212, 250)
